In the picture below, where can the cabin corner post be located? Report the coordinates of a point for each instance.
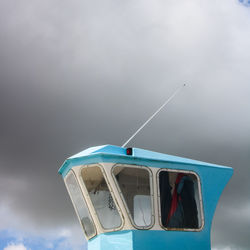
(214, 182)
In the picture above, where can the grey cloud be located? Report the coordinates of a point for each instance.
(77, 74)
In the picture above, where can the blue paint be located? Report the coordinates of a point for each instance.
(122, 240)
(150, 239)
(109, 153)
(213, 180)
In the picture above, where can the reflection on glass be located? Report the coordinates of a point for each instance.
(80, 205)
(101, 197)
(134, 184)
(142, 210)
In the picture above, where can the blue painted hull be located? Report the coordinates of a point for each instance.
(148, 240)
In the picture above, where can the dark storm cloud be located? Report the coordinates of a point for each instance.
(77, 74)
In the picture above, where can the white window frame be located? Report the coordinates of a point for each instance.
(73, 202)
(93, 210)
(200, 200)
(124, 201)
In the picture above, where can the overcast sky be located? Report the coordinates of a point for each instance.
(75, 74)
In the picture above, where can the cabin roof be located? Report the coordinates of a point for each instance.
(118, 152)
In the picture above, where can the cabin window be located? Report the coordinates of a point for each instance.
(135, 186)
(180, 200)
(80, 205)
(101, 197)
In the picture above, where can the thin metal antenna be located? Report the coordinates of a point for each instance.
(157, 111)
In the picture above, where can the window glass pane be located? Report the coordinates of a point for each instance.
(134, 184)
(179, 200)
(101, 197)
(80, 205)
(142, 210)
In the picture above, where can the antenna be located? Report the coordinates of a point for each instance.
(157, 111)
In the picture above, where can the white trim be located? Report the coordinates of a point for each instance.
(124, 201)
(200, 200)
(108, 169)
(156, 211)
(87, 237)
(101, 229)
(127, 222)
(77, 171)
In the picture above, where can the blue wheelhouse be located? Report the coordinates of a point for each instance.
(139, 199)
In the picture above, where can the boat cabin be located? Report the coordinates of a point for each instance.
(135, 199)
